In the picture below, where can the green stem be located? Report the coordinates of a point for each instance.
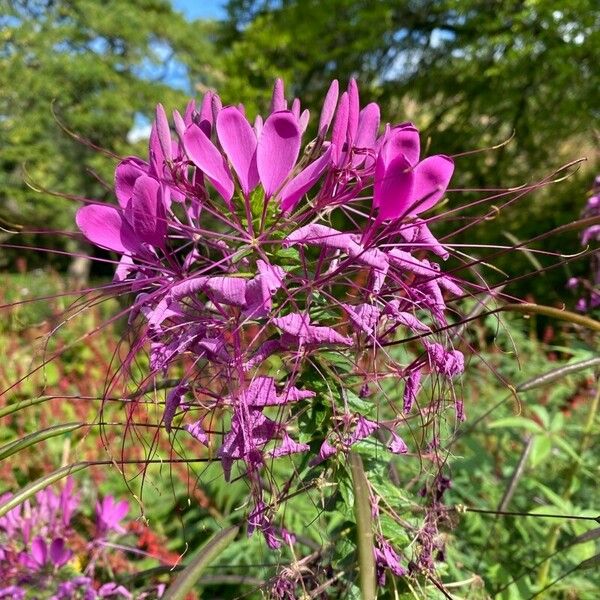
(549, 311)
(364, 529)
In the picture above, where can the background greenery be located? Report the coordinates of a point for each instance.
(470, 74)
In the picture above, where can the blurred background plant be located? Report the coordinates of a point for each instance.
(470, 75)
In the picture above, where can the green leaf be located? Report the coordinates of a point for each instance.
(187, 579)
(518, 423)
(36, 437)
(16, 406)
(40, 484)
(542, 446)
(364, 529)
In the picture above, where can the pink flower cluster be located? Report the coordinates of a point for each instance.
(36, 550)
(590, 236)
(257, 254)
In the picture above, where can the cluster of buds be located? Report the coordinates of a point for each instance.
(590, 235)
(261, 257)
(40, 550)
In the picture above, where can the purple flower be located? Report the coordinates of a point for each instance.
(404, 185)
(387, 558)
(260, 260)
(109, 514)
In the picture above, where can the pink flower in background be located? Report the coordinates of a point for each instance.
(109, 514)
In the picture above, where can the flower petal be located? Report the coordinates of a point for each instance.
(328, 109)
(59, 553)
(174, 399)
(431, 178)
(126, 174)
(278, 149)
(39, 551)
(105, 226)
(393, 187)
(278, 101)
(195, 430)
(340, 129)
(402, 139)
(353, 110)
(206, 113)
(163, 132)
(293, 191)
(146, 212)
(238, 140)
(366, 134)
(204, 154)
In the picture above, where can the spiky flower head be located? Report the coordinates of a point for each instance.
(288, 270)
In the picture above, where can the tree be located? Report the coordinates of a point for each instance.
(469, 73)
(94, 69)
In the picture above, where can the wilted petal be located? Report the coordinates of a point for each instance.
(278, 149)
(293, 191)
(260, 290)
(328, 109)
(447, 362)
(405, 318)
(227, 290)
(412, 385)
(262, 392)
(387, 558)
(265, 350)
(396, 444)
(188, 288)
(238, 140)
(195, 430)
(174, 399)
(407, 262)
(146, 211)
(418, 234)
(105, 226)
(288, 446)
(326, 451)
(325, 237)
(364, 428)
(431, 178)
(364, 317)
(114, 590)
(448, 284)
(204, 154)
(299, 328)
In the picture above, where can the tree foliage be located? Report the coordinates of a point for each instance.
(470, 74)
(94, 69)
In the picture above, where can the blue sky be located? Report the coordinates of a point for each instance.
(201, 9)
